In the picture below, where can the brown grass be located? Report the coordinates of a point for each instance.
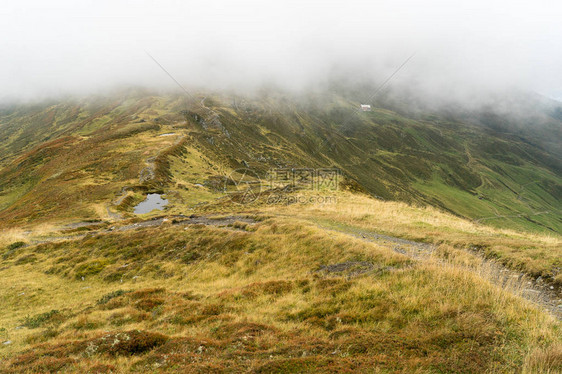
(255, 301)
(537, 255)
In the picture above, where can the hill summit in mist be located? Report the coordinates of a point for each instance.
(497, 164)
(277, 232)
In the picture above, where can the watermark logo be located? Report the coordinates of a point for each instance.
(304, 178)
(286, 199)
(243, 186)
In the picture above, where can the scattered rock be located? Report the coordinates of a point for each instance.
(350, 268)
(399, 250)
(125, 343)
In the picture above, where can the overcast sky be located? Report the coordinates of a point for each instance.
(59, 47)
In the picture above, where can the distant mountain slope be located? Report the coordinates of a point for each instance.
(74, 159)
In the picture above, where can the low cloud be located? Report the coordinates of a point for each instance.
(461, 48)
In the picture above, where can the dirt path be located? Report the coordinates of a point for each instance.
(517, 283)
(522, 189)
(519, 193)
(148, 173)
(184, 221)
(211, 220)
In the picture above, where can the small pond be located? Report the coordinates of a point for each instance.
(152, 201)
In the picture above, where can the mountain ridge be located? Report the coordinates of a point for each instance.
(474, 169)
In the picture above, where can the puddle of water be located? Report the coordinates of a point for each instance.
(153, 201)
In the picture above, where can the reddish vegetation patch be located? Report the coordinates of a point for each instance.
(228, 343)
(43, 150)
(243, 330)
(44, 358)
(332, 286)
(194, 312)
(125, 343)
(269, 288)
(291, 365)
(46, 365)
(149, 304)
(140, 294)
(253, 290)
(97, 368)
(180, 353)
(188, 345)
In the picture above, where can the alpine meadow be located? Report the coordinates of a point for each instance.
(278, 188)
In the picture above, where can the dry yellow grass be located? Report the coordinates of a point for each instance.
(254, 297)
(535, 254)
(27, 233)
(407, 219)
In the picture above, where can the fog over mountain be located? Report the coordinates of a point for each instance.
(462, 48)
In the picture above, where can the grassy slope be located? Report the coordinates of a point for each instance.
(460, 167)
(251, 297)
(78, 176)
(248, 297)
(535, 254)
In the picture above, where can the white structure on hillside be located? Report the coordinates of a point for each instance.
(365, 108)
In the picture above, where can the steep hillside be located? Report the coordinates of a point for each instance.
(240, 273)
(281, 289)
(73, 159)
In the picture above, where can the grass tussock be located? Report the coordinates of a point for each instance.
(281, 296)
(535, 254)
